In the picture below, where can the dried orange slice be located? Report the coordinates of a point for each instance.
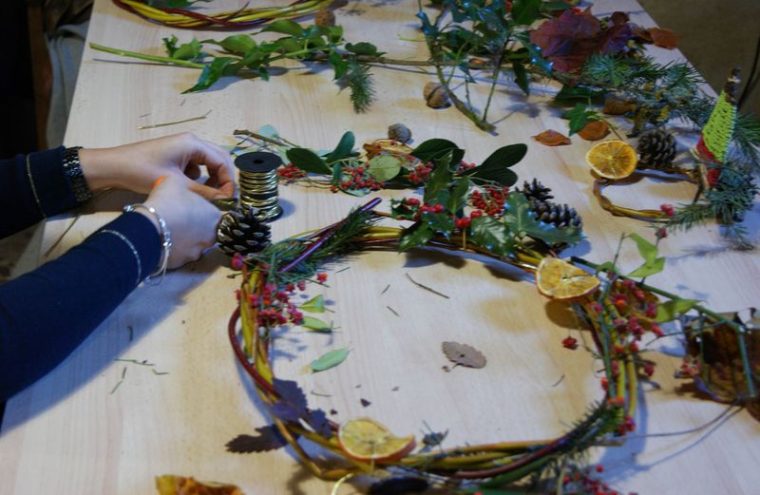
(365, 439)
(612, 159)
(559, 279)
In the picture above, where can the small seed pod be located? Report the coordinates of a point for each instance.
(325, 18)
(400, 133)
(436, 96)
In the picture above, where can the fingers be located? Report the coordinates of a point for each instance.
(205, 191)
(219, 165)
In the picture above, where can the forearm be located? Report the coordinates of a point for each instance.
(47, 313)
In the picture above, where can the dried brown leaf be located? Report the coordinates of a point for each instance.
(267, 439)
(170, 484)
(664, 38)
(464, 355)
(616, 106)
(552, 138)
(594, 130)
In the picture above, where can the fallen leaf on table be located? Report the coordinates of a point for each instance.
(329, 360)
(552, 138)
(170, 484)
(616, 106)
(464, 355)
(664, 38)
(269, 438)
(594, 130)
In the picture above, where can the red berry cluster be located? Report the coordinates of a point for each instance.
(713, 176)
(290, 173)
(667, 209)
(582, 481)
(274, 306)
(492, 202)
(358, 177)
(420, 173)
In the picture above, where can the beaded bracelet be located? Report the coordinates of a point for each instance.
(72, 169)
(166, 241)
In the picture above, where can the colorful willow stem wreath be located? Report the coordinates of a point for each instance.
(618, 314)
(237, 19)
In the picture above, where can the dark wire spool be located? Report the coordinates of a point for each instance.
(259, 183)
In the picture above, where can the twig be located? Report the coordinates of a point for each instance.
(430, 289)
(393, 311)
(144, 362)
(386, 289)
(159, 372)
(559, 381)
(165, 124)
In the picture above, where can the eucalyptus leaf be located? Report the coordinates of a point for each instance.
(649, 268)
(670, 310)
(344, 149)
(316, 325)
(308, 161)
(384, 167)
(329, 360)
(314, 305)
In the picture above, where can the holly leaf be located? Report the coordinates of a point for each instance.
(670, 310)
(211, 73)
(436, 189)
(441, 223)
(268, 438)
(329, 360)
(552, 138)
(594, 130)
(458, 195)
(417, 235)
(384, 167)
(314, 305)
(521, 221)
(316, 325)
(308, 161)
(464, 355)
(344, 149)
(491, 234)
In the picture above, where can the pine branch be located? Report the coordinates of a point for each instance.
(359, 81)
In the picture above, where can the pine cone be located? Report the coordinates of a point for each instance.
(240, 231)
(561, 216)
(536, 191)
(657, 149)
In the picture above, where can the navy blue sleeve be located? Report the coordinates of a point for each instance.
(33, 187)
(46, 314)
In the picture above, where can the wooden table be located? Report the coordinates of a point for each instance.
(75, 431)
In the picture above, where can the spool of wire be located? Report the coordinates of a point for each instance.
(258, 183)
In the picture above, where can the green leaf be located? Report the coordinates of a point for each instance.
(491, 234)
(521, 221)
(211, 73)
(579, 116)
(647, 250)
(524, 12)
(344, 148)
(314, 305)
(436, 189)
(384, 167)
(316, 325)
(329, 360)
(670, 310)
(649, 268)
(574, 93)
(363, 48)
(416, 235)
(441, 223)
(496, 166)
(435, 148)
(188, 51)
(458, 195)
(521, 76)
(239, 44)
(555, 6)
(536, 58)
(285, 26)
(308, 161)
(339, 65)
(170, 44)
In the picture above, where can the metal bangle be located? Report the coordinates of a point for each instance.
(166, 242)
(72, 169)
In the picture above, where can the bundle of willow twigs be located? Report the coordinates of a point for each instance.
(238, 19)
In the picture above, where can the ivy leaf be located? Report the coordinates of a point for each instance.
(647, 250)
(670, 310)
(344, 149)
(649, 268)
(435, 148)
(524, 12)
(329, 360)
(364, 48)
(491, 234)
(579, 116)
(314, 305)
(384, 167)
(537, 59)
(417, 235)
(521, 76)
(211, 73)
(269, 438)
(496, 166)
(308, 161)
(285, 26)
(239, 44)
(316, 325)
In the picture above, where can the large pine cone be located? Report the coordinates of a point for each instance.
(240, 231)
(560, 215)
(657, 149)
(536, 191)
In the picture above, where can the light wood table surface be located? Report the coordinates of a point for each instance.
(72, 433)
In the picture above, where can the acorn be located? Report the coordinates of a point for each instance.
(400, 133)
(435, 95)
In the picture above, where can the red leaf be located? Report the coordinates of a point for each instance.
(552, 138)
(664, 38)
(568, 40)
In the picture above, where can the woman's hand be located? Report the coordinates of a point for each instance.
(191, 220)
(136, 166)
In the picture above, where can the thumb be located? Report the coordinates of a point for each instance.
(205, 191)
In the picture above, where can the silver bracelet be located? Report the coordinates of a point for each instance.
(72, 169)
(166, 242)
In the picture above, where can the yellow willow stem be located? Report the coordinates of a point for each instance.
(633, 392)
